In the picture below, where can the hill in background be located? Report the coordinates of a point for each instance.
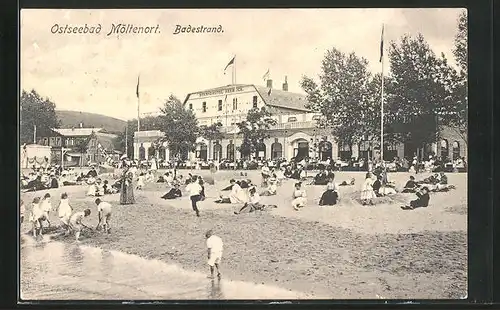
(74, 118)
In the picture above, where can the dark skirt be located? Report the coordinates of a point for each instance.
(329, 198)
(127, 194)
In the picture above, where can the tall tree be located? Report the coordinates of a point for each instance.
(460, 48)
(180, 127)
(254, 130)
(455, 111)
(36, 112)
(420, 85)
(81, 145)
(343, 96)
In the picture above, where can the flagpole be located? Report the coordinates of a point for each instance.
(382, 103)
(234, 70)
(126, 140)
(138, 113)
(138, 105)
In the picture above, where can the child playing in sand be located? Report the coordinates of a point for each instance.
(299, 197)
(215, 247)
(65, 210)
(140, 181)
(46, 207)
(75, 222)
(104, 214)
(36, 217)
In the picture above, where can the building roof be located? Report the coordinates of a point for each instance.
(76, 132)
(106, 140)
(277, 98)
(283, 99)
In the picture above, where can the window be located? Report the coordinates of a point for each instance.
(190, 106)
(45, 141)
(292, 119)
(230, 151)
(58, 141)
(444, 149)
(219, 106)
(254, 101)
(235, 104)
(456, 150)
(204, 107)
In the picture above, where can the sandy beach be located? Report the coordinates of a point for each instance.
(343, 251)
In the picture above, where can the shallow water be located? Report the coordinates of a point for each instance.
(62, 271)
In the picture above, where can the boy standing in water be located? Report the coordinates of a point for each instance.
(104, 213)
(215, 247)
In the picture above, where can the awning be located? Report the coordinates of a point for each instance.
(73, 154)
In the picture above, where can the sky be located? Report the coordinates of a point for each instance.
(98, 73)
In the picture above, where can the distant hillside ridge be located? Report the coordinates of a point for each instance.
(74, 118)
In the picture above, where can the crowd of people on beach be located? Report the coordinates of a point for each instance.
(241, 192)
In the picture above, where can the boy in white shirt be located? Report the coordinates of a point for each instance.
(46, 207)
(215, 248)
(75, 222)
(194, 190)
(104, 213)
(65, 211)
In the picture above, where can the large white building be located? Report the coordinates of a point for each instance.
(294, 135)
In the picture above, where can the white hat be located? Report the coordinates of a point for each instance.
(123, 156)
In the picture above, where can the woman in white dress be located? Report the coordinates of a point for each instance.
(299, 197)
(367, 193)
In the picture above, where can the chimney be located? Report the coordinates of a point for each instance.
(285, 85)
(269, 83)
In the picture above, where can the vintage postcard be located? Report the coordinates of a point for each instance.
(182, 154)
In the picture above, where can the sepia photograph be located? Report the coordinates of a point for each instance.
(243, 154)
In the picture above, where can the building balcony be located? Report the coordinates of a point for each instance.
(282, 126)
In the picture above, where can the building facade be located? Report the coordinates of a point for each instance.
(295, 134)
(78, 146)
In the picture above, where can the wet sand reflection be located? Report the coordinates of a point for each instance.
(55, 270)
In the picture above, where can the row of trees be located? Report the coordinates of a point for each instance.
(422, 93)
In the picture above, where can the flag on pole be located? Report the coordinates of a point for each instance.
(137, 89)
(266, 75)
(269, 92)
(382, 44)
(229, 63)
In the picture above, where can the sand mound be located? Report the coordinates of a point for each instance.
(354, 198)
